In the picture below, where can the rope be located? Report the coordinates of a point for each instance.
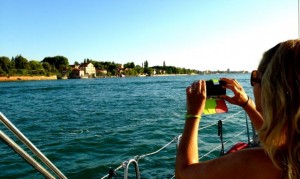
(112, 172)
(214, 149)
(152, 153)
(137, 158)
(219, 146)
(212, 124)
(175, 138)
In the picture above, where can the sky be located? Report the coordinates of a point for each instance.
(194, 34)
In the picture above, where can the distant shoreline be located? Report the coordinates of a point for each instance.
(166, 75)
(27, 78)
(54, 77)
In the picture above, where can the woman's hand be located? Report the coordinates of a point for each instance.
(240, 97)
(196, 97)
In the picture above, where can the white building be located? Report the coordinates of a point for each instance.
(84, 70)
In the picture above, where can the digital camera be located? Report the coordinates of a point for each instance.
(214, 88)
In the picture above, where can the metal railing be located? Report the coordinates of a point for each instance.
(32, 147)
(125, 165)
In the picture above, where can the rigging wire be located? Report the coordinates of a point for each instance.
(176, 139)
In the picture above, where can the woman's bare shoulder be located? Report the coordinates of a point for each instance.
(252, 163)
(247, 163)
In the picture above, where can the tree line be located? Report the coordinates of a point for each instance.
(59, 65)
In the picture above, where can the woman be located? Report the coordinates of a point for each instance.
(277, 98)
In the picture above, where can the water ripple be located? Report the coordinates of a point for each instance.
(86, 126)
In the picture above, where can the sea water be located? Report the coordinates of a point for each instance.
(85, 127)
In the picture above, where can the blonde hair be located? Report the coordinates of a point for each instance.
(280, 133)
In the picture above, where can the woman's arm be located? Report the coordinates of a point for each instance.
(228, 166)
(240, 98)
(188, 148)
(254, 115)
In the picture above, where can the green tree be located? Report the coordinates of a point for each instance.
(139, 69)
(5, 64)
(36, 68)
(35, 65)
(113, 72)
(21, 62)
(178, 71)
(146, 65)
(129, 65)
(46, 66)
(59, 62)
(130, 72)
(98, 65)
(2, 72)
(148, 71)
(157, 71)
(111, 65)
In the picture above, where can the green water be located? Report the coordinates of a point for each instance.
(87, 126)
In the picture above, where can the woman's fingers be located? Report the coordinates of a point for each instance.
(239, 94)
(196, 94)
(233, 85)
(203, 88)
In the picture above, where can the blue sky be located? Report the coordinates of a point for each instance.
(202, 35)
